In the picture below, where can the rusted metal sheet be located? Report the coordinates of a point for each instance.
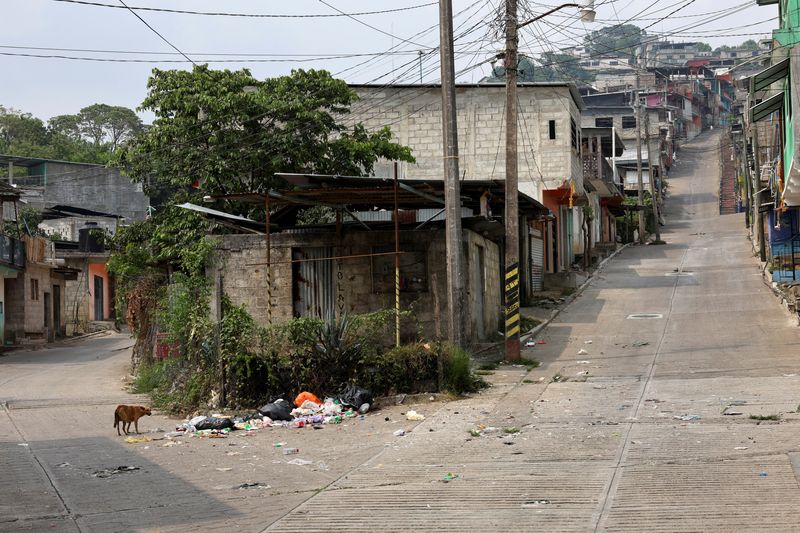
(314, 294)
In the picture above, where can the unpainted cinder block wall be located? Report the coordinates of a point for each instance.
(240, 261)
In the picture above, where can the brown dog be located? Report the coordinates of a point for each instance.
(128, 414)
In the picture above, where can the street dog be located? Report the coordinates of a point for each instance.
(127, 414)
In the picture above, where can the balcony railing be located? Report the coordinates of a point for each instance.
(591, 170)
(12, 251)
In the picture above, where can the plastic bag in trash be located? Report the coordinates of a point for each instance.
(280, 409)
(355, 396)
(306, 396)
(214, 423)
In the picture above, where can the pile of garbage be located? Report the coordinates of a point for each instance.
(308, 410)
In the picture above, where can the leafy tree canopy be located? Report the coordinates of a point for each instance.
(703, 47)
(225, 131)
(550, 67)
(618, 41)
(87, 137)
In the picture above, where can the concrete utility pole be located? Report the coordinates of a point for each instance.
(452, 196)
(654, 194)
(512, 279)
(512, 316)
(640, 181)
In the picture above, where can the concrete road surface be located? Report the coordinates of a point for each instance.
(649, 430)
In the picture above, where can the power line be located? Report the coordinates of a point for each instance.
(135, 14)
(248, 15)
(352, 17)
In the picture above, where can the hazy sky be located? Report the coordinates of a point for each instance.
(50, 86)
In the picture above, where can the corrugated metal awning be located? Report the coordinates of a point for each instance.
(765, 108)
(770, 75)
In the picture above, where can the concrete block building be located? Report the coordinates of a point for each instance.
(549, 143)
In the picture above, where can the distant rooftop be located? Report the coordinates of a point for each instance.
(23, 161)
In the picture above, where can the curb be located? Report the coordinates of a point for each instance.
(538, 329)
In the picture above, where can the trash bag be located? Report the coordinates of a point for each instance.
(304, 397)
(354, 396)
(214, 423)
(280, 409)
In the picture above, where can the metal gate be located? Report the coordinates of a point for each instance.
(537, 263)
(314, 294)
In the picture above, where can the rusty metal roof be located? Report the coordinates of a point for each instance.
(365, 193)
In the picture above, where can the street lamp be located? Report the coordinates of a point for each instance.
(512, 279)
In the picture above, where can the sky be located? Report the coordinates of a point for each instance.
(395, 47)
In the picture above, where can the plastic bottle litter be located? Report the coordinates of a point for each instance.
(291, 451)
(582, 352)
(364, 408)
(399, 433)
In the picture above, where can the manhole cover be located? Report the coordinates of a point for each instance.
(645, 316)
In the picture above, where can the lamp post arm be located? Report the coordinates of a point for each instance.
(534, 19)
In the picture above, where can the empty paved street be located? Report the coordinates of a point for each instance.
(603, 450)
(640, 433)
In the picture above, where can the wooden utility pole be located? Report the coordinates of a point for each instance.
(452, 196)
(512, 316)
(640, 181)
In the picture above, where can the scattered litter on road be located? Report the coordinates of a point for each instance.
(108, 472)
(730, 411)
(529, 344)
(686, 418)
(137, 440)
(414, 416)
(171, 443)
(587, 342)
(400, 433)
(582, 352)
(583, 373)
(639, 344)
(789, 375)
(763, 473)
(448, 477)
(22, 444)
(291, 451)
(584, 362)
(224, 469)
(62, 465)
(251, 485)
(740, 448)
(535, 503)
(299, 462)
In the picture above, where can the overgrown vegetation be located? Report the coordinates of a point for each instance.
(303, 354)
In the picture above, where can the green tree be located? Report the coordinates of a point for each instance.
(226, 132)
(550, 67)
(617, 41)
(23, 134)
(102, 123)
(749, 44)
(703, 47)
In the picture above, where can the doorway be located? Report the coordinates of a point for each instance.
(479, 286)
(57, 310)
(98, 298)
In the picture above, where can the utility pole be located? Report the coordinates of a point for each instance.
(512, 316)
(452, 190)
(512, 278)
(640, 181)
(654, 194)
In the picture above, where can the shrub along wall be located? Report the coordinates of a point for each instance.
(261, 364)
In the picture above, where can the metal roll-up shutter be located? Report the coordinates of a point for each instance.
(537, 264)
